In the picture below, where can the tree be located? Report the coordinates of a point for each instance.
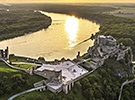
(5, 78)
(78, 84)
(97, 95)
(89, 93)
(126, 41)
(41, 58)
(1, 92)
(85, 84)
(18, 79)
(39, 97)
(51, 96)
(8, 89)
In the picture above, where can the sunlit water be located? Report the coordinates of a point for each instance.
(58, 41)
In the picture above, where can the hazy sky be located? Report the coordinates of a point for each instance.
(71, 1)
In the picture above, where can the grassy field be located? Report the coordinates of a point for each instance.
(101, 83)
(127, 11)
(6, 76)
(24, 66)
(17, 59)
(4, 68)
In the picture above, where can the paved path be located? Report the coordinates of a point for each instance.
(122, 89)
(125, 83)
(17, 68)
(30, 90)
(26, 63)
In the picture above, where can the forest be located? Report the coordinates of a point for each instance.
(14, 23)
(119, 27)
(103, 84)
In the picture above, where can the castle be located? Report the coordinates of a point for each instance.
(62, 75)
(106, 46)
(4, 53)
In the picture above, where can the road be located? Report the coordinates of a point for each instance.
(125, 83)
(122, 89)
(30, 90)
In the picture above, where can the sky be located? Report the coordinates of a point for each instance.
(69, 1)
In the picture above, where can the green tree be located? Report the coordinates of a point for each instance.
(126, 41)
(5, 78)
(8, 89)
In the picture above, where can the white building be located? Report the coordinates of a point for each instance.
(60, 76)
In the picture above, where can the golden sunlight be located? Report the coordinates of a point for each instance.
(67, 1)
(71, 27)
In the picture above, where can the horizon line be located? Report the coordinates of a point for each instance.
(67, 2)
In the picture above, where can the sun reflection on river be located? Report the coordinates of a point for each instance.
(71, 27)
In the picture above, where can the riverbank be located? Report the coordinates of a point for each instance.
(120, 28)
(102, 84)
(14, 23)
(57, 41)
(112, 72)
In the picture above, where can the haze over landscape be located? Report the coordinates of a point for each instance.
(67, 1)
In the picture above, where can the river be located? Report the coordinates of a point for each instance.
(58, 41)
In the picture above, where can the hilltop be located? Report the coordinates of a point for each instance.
(105, 82)
(109, 65)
